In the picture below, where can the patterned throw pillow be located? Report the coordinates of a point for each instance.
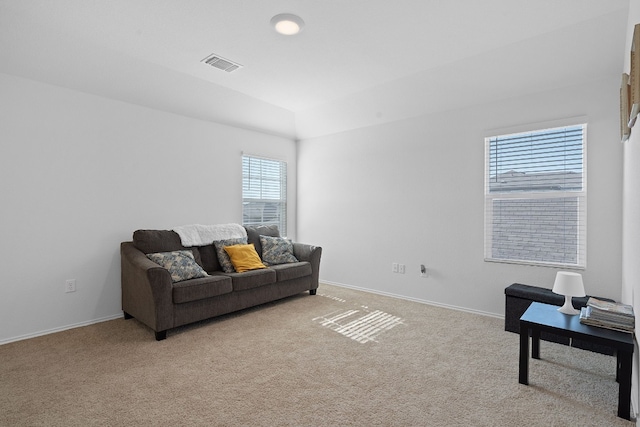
(277, 250)
(181, 265)
(223, 257)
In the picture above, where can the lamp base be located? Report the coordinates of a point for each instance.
(567, 308)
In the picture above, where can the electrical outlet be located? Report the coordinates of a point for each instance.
(423, 271)
(70, 285)
(401, 268)
(394, 267)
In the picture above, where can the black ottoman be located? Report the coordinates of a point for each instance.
(518, 297)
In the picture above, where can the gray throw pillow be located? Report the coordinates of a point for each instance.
(181, 265)
(255, 231)
(277, 250)
(223, 257)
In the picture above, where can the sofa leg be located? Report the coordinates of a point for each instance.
(161, 335)
(127, 315)
(312, 291)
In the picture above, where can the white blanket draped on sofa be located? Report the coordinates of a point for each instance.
(200, 235)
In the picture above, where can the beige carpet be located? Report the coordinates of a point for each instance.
(340, 358)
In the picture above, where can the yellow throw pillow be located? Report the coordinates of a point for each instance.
(244, 257)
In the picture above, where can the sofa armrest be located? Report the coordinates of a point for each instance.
(146, 289)
(311, 254)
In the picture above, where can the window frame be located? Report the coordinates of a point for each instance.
(545, 195)
(261, 203)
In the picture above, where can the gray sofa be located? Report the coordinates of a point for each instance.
(151, 296)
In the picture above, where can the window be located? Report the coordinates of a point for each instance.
(535, 197)
(264, 192)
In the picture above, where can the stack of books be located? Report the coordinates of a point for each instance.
(610, 315)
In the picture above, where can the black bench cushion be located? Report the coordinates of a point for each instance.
(543, 295)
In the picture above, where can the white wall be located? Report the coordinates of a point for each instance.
(412, 192)
(631, 210)
(79, 173)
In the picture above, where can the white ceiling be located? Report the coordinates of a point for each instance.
(150, 51)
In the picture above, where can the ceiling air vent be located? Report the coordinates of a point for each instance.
(221, 63)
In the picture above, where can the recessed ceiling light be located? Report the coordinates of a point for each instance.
(287, 24)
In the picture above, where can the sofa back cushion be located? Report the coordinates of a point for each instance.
(209, 258)
(153, 241)
(255, 231)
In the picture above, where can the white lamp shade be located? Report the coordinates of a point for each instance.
(569, 284)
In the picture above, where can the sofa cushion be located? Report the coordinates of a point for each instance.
(255, 231)
(292, 271)
(251, 279)
(197, 289)
(277, 250)
(153, 241)
(209, 258)
(244, 257)
(223, 257)
(181, 264)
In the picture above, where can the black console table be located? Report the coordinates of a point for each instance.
(541, 317)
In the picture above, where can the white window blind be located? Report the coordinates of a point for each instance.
(264, 192)
(535, 197)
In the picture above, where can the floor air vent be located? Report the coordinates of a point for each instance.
(221, 63)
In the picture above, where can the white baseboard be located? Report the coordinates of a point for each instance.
(421, 301)
(60, 329)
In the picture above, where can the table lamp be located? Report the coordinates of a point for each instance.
(570, 285)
